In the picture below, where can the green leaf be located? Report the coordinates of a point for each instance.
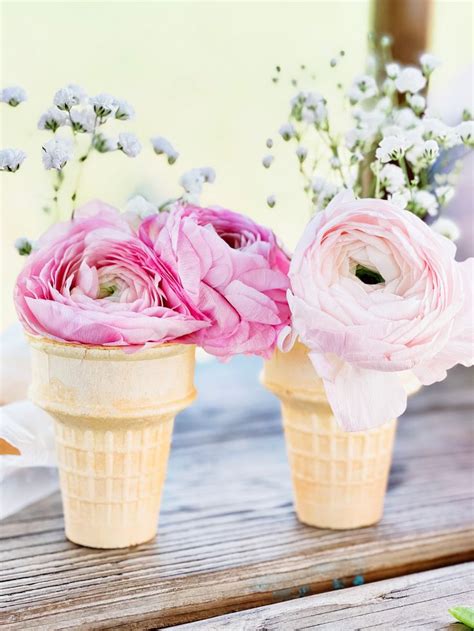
(368, 276)
(464, 615)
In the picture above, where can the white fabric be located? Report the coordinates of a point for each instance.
(31, 476)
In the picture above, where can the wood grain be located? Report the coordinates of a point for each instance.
(416, 601)
(228, 538)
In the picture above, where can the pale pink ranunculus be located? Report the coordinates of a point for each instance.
(419, 317)
(94, 281)
(233, 269)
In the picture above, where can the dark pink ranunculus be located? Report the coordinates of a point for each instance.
(233, 269)
(94, 281)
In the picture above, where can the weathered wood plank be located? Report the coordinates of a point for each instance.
(228, 538)
(417, 601)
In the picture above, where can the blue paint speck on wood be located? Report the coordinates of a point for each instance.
(337, 583)
(358, 580)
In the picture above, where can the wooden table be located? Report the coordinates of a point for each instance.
(229, 540)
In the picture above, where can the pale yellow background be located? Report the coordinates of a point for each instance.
(197, 73)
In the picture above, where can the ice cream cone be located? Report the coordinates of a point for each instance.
(339, 478)
(114, 414)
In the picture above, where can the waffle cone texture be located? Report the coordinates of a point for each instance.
(339, 478)
(114, 414)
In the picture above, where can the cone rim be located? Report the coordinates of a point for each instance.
(76, 350)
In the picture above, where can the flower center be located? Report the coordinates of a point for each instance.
(105, 291)
(368, 276)
(233, 240)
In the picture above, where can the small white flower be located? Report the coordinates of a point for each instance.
(388, 87)
(405, 118)
(391, 148)
(192, 181)
(447, 228)
(267, 161)
(352, 139)
(364, 87)
(301, 153)
(356, 157)
(308, 99)
(400, 198)
(410, 80)
(429, 63)
(11, 159)
(13, 95)
(129, 144)
(445, 136)
(103, 104)
(423, 203)
(67, 97)
(392, 70)
(465, 130)
(287, 131)
(209, 174)
(82, 121)
(310, 107)
(318, 184)
(384, 105)
(417, 103)
(23, 246)
(392, 178)
(430, 150)
(124, 111)
(271, 201)
(324, 192)
(369, 119)
(386, 41)
(444, 194)
(413, 135)
(392, 130)
(140, 206)
(104, 144)
(315, 115)
(52, 119)
(56, 153)
(269, 143)
(163, 146)
(107, 143)
(423, 154)
(335, 162)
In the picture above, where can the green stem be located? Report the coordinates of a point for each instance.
(332, 145)
(58, 180)
(167, 203)
(403, 165)
(80, 170)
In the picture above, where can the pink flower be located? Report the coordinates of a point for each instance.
(233, 269)
(375, 291)
(94, 281)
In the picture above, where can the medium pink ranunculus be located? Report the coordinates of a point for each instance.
(94, 281)
(233, 269)
(375, 291)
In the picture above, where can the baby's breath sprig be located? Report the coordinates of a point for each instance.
(12, 159)
(72, 109)
(396, 150)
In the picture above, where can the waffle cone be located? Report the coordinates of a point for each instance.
(339, 478)
(114, 415)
